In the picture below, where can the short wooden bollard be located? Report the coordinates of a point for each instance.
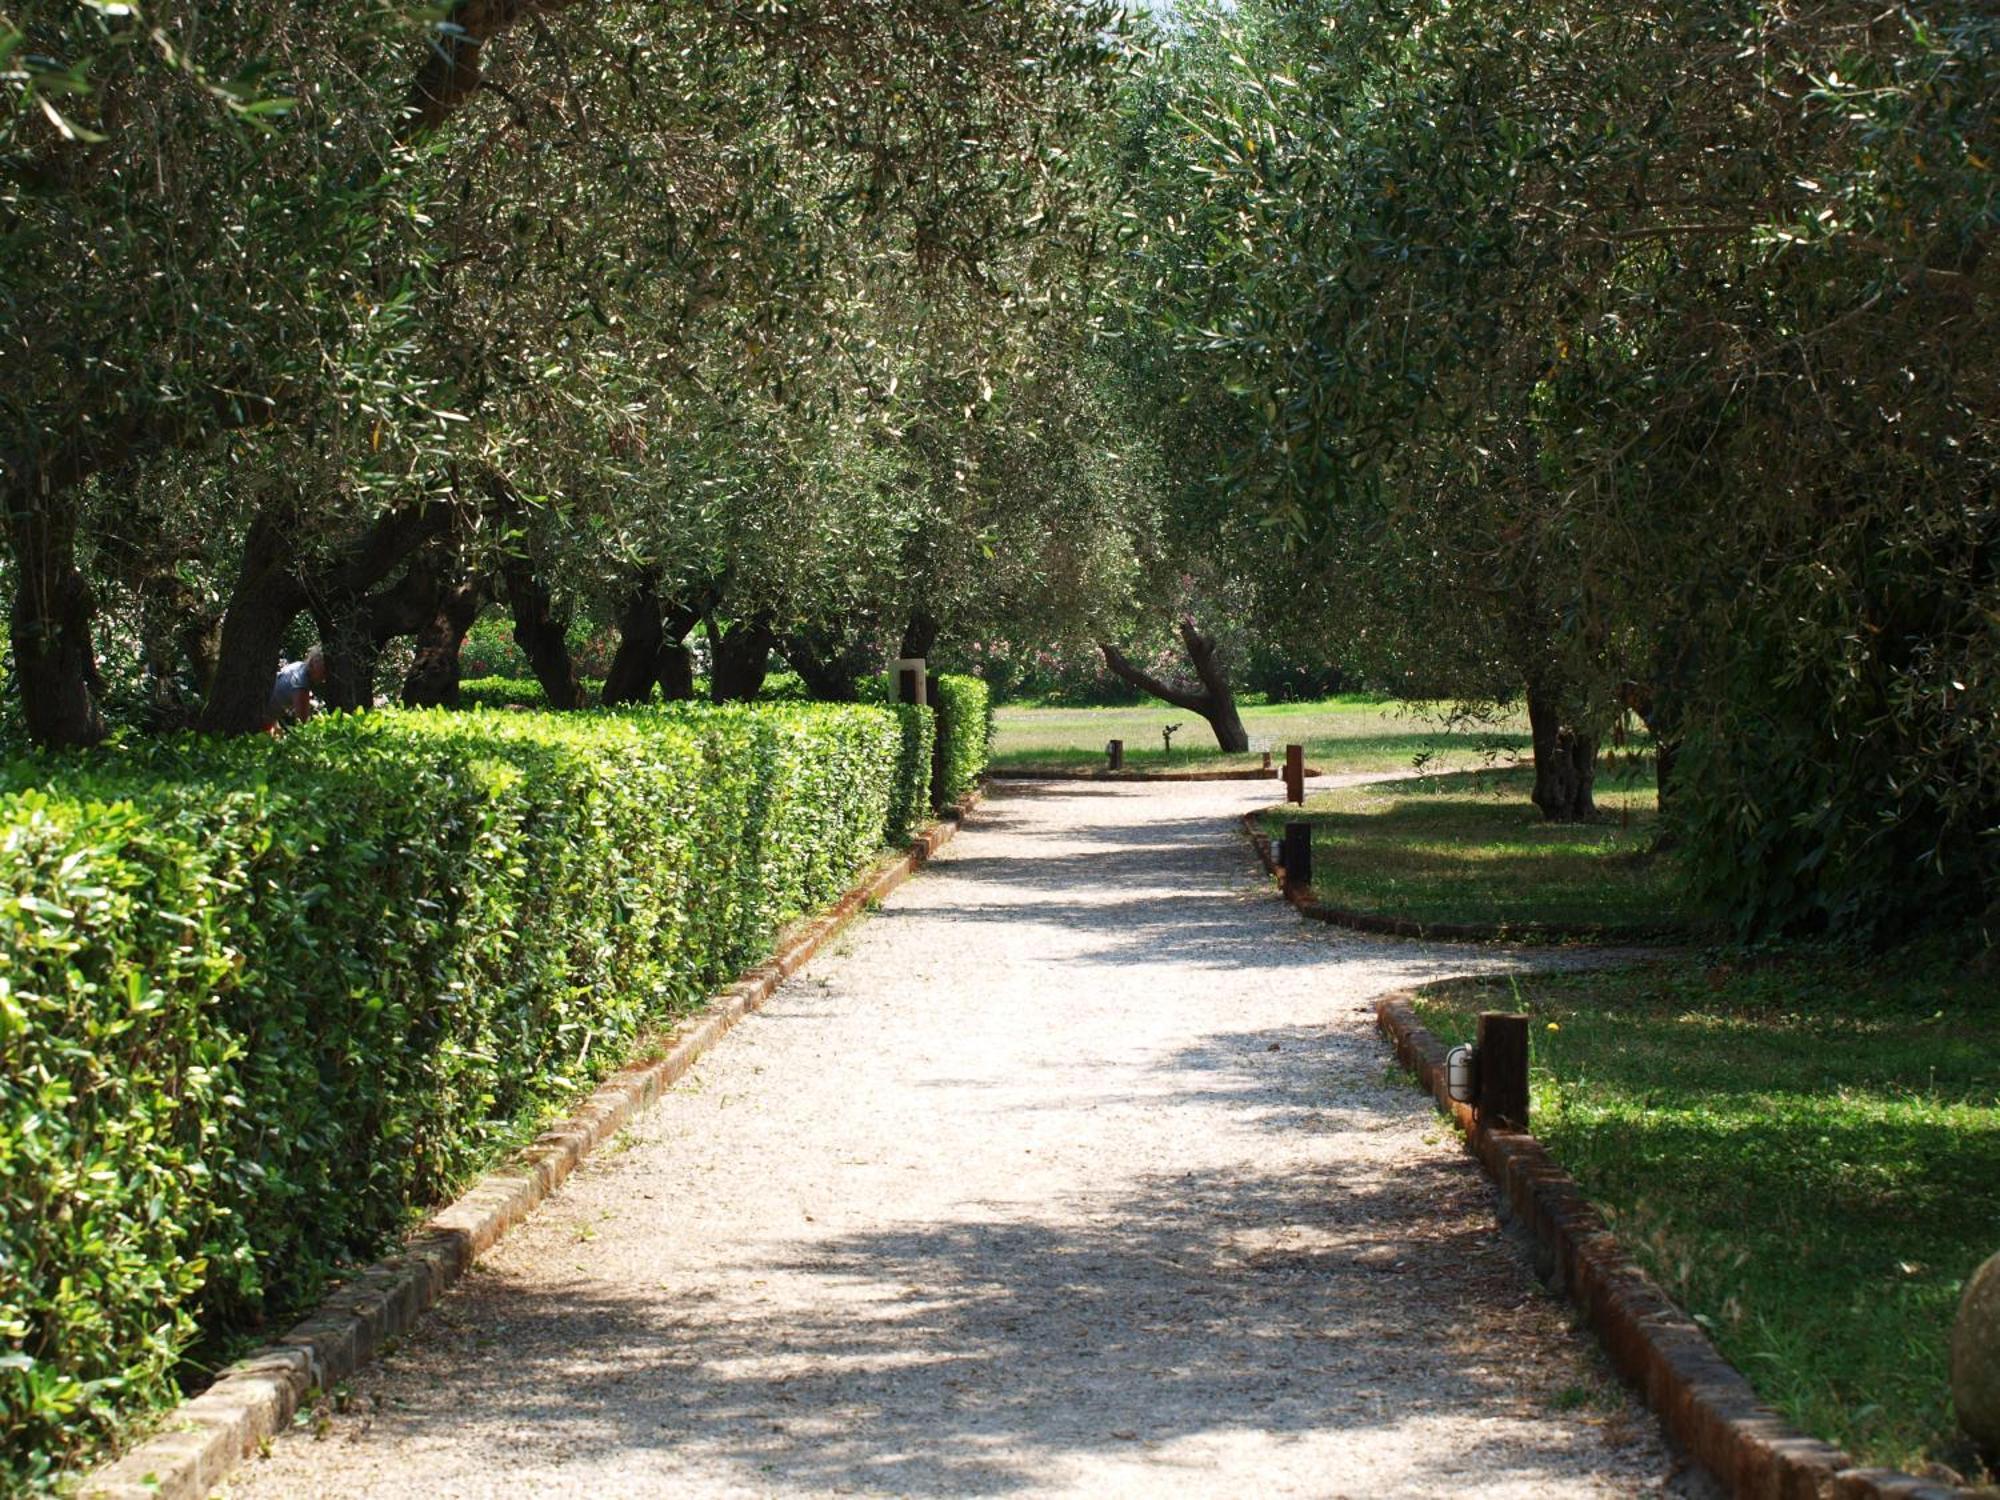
(1296, 855)
(1295, 773)
(1502, 1098)
(1114, 753)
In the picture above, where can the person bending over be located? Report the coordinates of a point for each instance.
(291, 694)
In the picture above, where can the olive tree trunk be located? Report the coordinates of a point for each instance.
(433, 678)
(50, 625)
(740, 658)
(635, 665)
(676, 661)
(1565, 758)
(1212, 697)
(543, 635)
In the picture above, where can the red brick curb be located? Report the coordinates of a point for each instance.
(1452, 932)
(1703, 1400)
(256, 1397)
(1252, 773)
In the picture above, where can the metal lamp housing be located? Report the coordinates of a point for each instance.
(1461, 1072)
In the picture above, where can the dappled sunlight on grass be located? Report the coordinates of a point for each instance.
(1471, 848)
(1805, 1152)
(1349, 733)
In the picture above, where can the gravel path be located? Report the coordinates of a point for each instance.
(1078, 1169)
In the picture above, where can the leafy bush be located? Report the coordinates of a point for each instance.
(514, 692)
(262, 1001)
(1841, 764)
(501, 692)
(965, 729)
(490, 650)
(910, 802)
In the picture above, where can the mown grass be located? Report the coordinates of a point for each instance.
(1471, 848)
(1348, 733)
(1805, 1152)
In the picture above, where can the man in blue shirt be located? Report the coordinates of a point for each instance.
(291, 694)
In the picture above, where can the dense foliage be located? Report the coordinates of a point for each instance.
(1636, 358)
(965, 729)
(762, 319)
(259, 1001)
(910, 793)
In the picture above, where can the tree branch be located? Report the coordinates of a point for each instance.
(1146, 682)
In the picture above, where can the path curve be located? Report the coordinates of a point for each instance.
(1077, 1169)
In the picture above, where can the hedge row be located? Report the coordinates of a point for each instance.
(263, 1001)
(963, 713)
(965, 717)
(910, 801)
(512, 692)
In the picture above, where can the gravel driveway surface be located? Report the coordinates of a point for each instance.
(1077, 1169)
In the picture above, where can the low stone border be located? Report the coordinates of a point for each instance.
(1251, 773)
(1702, 1399)
(1451, 932)
(208, 1436)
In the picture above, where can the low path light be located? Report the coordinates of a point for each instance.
(1461, 1073)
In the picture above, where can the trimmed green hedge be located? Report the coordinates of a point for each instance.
(965, 720)
(514, 692)
(262, 1002)
(910, 802)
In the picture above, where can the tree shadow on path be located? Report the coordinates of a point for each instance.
(963, 1357)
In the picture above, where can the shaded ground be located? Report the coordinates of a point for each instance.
(1077, 1169)
(1471, 848)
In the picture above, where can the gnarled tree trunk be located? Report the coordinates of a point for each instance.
(1565, 758)
(273, 585)
(267, 598)
(831, 662)
(676, 661)
(741, 658)
(920, 634)
(543, 635)
(433, 678)
(1212, 699)
(348, 642)
(635, 666)
(53, 658)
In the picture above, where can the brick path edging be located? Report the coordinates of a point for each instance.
(1703, 1400)
(1451, 932)
(208, 1436)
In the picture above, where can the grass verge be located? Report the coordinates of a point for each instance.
(1348, 733)
(1470, 848)
(1804, 1150)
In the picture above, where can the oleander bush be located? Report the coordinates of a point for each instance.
(262, 1002)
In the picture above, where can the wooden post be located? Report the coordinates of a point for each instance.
(1267, 760)
(1114, 752)
(1503, 1071)
(1295, 773)
(1297, 857)
(910, 680)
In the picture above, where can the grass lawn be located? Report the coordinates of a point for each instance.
(1349, 733)
(1803, 1150)
(1470, 848)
